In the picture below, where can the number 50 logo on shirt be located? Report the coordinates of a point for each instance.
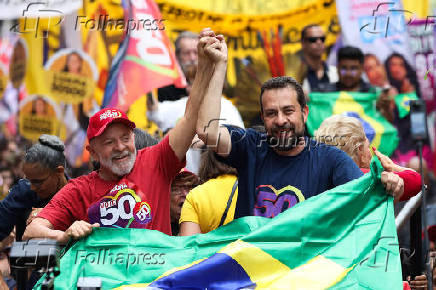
(123, 210)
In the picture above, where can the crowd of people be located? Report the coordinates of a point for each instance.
(208, 169)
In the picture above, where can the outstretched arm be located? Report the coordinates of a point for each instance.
(208, 130)
(42, 228)
(387, 162)
(181, 136)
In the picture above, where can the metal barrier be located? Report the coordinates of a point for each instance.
(408, 210)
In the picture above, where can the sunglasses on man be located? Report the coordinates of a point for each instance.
(313, 39)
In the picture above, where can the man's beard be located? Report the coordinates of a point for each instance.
(189, 69)
(123, 168)
(285, 143)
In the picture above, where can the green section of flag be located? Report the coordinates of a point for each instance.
(344, 238)
(403, 103)
(379, 131)
(153, 67)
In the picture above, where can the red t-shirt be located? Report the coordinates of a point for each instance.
(141, 199)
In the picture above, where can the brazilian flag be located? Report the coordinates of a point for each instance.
(403, 103)
(344, 238)
(378, 130)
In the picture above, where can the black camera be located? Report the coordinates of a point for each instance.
(418, 121)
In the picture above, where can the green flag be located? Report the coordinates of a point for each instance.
(344, 238)
(403, 103)
(380, 132)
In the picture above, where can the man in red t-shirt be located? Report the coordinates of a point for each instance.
(131, 189)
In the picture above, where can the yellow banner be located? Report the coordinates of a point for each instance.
(69, 88)
(183, 17)
(3, 83)
(246, 7)
(419, 9)
(34, 77)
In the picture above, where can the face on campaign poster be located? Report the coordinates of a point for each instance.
(72, 75)
(72, 61)
(17, 67)
(38, 115)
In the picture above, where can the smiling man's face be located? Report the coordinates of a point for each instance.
(283, 117)
(115, 150)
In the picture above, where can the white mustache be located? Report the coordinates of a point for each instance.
(122, 155)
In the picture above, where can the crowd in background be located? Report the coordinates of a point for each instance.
(205, 179)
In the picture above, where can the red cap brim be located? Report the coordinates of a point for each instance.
(126, 122)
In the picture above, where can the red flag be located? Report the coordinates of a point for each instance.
(145, 60)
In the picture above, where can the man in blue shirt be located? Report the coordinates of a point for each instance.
(281, 168)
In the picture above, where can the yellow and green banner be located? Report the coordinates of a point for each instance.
(344, 238)
(380, 133)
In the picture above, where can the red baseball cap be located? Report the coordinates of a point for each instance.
(103, 118)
